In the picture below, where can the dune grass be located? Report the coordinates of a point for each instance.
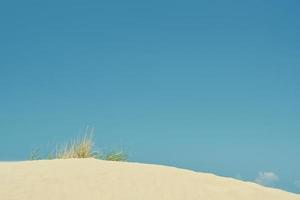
(35, 155)
(116, 156)
(81, 147)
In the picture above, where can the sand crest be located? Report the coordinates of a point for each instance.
(91, 179)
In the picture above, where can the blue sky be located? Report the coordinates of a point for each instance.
(206, 85)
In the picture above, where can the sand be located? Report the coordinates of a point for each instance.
(91, 179)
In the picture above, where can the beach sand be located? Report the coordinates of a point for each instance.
(91, 179)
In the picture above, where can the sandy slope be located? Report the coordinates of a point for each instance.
(92, 179)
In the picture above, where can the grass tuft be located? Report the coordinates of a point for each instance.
(81, 147)
(116, 156)
(35, 155)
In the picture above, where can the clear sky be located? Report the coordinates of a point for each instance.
(211, 86)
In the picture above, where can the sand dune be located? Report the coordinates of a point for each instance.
(91, 179)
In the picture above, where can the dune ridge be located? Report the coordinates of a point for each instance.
(92, 179)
